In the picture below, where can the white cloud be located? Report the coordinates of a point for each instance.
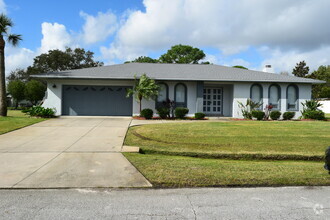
(286, 60)
(55, 36)
(98, 28)
(3, 7)
(18, 58)
(230, 26)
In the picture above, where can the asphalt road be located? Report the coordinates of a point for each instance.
(205, 203)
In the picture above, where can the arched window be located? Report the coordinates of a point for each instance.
(256, 93)
(292, 97)
(162, 94)
(180, 95)
(274, 96)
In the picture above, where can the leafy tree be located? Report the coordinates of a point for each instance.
(35, 91)
(144, 88)
(182, 54)
(17, 90)
(241, 67)
(301, 69)
(144, 59)
(321, 90)
(5, 25)
(57, 60)
(18, 74)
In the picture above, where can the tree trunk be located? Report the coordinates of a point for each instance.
(140, 102)
(3, 94)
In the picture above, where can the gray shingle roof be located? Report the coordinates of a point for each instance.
(178, 72)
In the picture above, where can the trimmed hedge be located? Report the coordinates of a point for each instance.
(163, 112)
(275, 115)
(288, 115)
(259, 115)
(147, 113)
(199, 115)
(181, 112)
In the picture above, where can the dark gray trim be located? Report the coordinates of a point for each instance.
(297, 101)
(181, 104)
(279, 91)
(200, 89)
(261, 93)
(160, 104)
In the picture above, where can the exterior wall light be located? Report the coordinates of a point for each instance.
(54, 86)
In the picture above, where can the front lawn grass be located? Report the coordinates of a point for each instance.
(301, 140)
(15, 120)
(177, 171)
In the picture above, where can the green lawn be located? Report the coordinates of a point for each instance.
(15, 120)
(242, 139)
(234, 153)
(327, 116)
(176, 171)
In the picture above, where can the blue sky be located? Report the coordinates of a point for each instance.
(242, 32)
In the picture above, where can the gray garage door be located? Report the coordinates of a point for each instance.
(96, 100)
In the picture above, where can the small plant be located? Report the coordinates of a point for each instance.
(199, 115)
(163, 112)
(275, 115)
(39, 111)
(248, 108)
(288, 115)
(311, 111)
(147, 113)
(259, 115)
(181, 112)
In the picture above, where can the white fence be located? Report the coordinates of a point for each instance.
(325, 106)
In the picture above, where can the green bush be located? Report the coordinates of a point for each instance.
(259, 115)
(288, 115)
(39, 111)
(163, 112)
(199, 115)
(314, 114)
(147, 113)
(181, 112)
(275, 115)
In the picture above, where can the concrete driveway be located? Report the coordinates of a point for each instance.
(68, 152)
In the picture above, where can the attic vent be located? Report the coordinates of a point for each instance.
(268, 66)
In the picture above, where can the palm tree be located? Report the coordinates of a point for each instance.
(144, 88)
(13, 39)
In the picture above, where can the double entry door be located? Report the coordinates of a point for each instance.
(212, 101)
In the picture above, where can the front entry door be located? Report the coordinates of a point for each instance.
(212, 101)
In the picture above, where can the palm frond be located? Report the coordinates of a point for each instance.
(5, 23)
(14, 39)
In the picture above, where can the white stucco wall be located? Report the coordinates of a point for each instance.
(242, 93)
(232, 93)
(54, 95)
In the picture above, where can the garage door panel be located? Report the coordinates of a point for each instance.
(96, 100)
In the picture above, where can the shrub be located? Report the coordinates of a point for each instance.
(275, 115)
(311, 111)
(181, 112)
(39, 111)
(199, 115)
(314, 114)
(248, 108)
(163, 112)
(288, 115)
(147, 113)
(259, 115)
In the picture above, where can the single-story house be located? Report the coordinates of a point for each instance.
(212, 89)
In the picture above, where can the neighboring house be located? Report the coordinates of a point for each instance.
(212, 89)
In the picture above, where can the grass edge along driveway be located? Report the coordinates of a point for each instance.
(171, 170)
(16, 120)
